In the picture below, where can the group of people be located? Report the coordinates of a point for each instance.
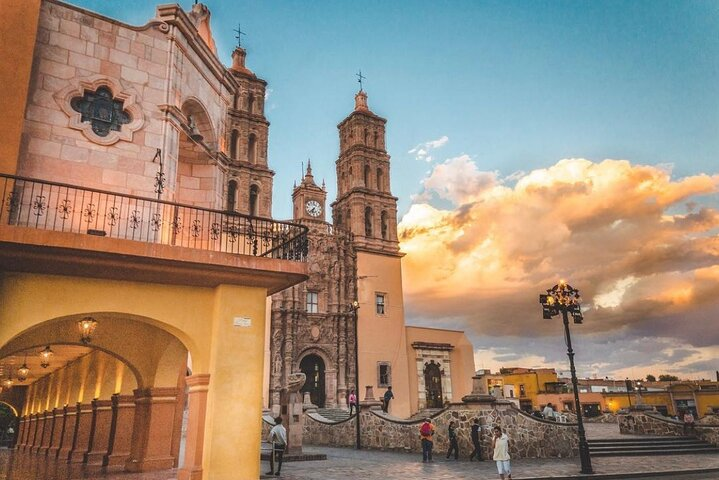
(500, 445)
(352, 400)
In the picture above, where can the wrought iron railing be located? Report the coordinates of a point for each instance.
(33, 203)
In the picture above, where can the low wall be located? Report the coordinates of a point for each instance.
(530, 437)
(603, 418)
(640, 423)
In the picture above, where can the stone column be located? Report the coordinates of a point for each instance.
(57, 433)
(100, 437)
(152, 429)
(68, 437)
(198, 385)
(479, 395)
(123, 415)
(83, 428)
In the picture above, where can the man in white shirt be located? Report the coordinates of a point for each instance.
(278, 439)
(548, 412)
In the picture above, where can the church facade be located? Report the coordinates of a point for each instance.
(354, 296)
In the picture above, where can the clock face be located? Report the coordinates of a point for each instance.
(314, 208)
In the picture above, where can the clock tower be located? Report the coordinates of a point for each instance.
(308, 200)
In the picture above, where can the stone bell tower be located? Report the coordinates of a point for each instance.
(308, 200)
(365, 206)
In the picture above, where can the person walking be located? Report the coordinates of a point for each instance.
(278, 439)
(477, 452)
(426, 432)
(688, 422)
(352, 400)
(453, 446)
(500, 445)
(388, 395)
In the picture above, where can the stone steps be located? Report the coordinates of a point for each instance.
(334, 414)
(617, 447)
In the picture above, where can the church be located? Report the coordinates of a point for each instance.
(354, 298)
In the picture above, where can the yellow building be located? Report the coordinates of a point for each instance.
(527, 383)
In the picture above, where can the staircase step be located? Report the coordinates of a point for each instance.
(630, 453)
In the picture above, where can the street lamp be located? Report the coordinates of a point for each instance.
(354, 306)
(565, 299)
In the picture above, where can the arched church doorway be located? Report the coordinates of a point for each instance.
(314, 369)
(433, 384)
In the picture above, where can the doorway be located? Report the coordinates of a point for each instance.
(314, 369)
(433, 385)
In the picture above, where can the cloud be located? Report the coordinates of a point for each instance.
(609, 227)
(422, 151)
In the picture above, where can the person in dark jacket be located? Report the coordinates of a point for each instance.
(453, 446)
(477, 452)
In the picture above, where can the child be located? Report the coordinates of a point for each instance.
(500, 444)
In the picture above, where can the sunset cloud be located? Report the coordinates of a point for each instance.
(634, 240)
(423, 150)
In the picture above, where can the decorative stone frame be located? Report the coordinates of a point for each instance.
(440, 353)
(65, 96)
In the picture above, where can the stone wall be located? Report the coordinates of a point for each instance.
(603, 418)
(639, 423)
(530, 437)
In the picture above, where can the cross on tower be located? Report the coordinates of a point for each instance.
(239, 35)
(360, 77)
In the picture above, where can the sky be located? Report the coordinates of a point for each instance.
(530, 141)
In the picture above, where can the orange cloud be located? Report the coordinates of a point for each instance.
(628, 236)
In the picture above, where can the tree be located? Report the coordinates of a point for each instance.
(668, 378)
(651, 378)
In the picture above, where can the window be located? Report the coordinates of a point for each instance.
(366, 136)
(234, 142)
(380, 182)
(384, 374)
(254, 195)
(312, 305)
(379, 302)
(368, 222)
(366, 176)
(522, 392)
(250, 103)
(384, 225)
(375, 138)
(251, 147)
(231, 195)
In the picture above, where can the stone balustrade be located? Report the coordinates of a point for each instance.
(650, 423)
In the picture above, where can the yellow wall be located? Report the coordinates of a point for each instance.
(382, 337)
(18, 30)
(94, 375)
(534, 382)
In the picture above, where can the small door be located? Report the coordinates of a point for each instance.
(314, 369)
(433, 385)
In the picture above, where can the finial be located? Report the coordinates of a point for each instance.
(309, 167)
(360, 77)
(323, 184)
(239, 33)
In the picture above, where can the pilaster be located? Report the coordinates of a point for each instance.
(198, 386)
(120, 441)
(152, 430)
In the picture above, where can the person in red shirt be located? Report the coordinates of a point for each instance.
(426, 432)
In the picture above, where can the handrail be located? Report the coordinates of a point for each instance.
(42, 204)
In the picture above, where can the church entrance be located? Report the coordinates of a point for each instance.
(433, 384)
(314, 369)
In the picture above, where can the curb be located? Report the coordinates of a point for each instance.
(610, 476)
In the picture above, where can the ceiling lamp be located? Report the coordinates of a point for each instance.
(45, 357)
(8, 382)
(86, 326)
(23, 371)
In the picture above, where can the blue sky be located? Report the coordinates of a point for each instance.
(515, 85)
(498, 93)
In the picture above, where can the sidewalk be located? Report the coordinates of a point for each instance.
(348, 464)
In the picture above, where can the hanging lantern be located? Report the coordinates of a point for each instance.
(8, 382)
(45, 357)
(23, 371)
(86, 326)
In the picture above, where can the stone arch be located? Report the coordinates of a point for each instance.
(11, 407)
(232, 195)
(193, 107)
(314, 350)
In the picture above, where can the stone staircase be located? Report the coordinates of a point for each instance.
(426, 413)
(334, 414)
(635, 446)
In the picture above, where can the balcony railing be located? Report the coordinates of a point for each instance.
(59, 207)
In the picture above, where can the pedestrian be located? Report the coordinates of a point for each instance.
(426, 432)
(352, 400)
(688, 422)
(500, 445)
(477, 452)
(278, 439)
(548, 412)
(388, 395)
(453, 446)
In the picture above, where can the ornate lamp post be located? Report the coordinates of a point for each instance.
(354, 306)
(565, 299)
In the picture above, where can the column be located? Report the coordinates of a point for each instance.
(32, 433)
(100, 434)
(21, 432)
(57, 432)
(41, 440)
(198, 385)
(83, 429)
(152, 429)
(68, 438)
(234, 402)
(123, 416)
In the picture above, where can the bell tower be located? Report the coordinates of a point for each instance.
(308, 200)
(365, 206)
